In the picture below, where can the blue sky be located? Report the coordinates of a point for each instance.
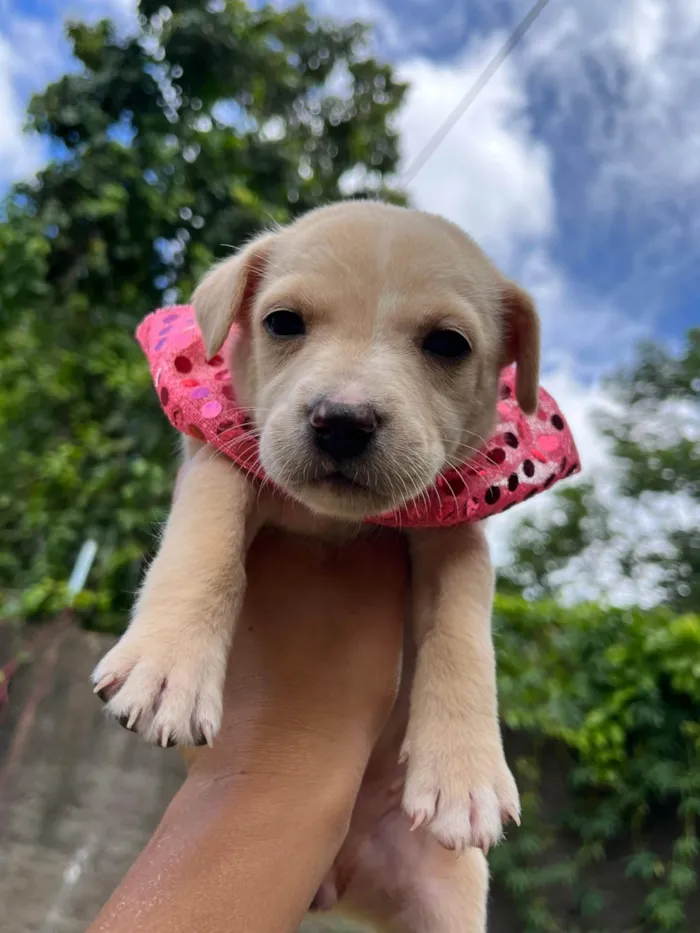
(578, 168)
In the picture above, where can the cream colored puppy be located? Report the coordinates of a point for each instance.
(372, 339)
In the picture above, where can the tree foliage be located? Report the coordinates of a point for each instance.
(618, 692)
(654, 435)
(169, 147)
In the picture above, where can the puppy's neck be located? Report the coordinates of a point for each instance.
(274, 509)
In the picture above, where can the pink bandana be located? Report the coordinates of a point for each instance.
(524, 455)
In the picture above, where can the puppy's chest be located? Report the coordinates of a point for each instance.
(273, 511)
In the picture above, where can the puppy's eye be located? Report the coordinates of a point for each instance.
(285, 323)
(447, 344)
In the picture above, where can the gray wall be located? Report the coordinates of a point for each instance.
(78, 797)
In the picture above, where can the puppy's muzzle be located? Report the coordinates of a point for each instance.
(342, 431)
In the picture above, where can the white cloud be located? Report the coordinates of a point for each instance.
(640, 528)
(372, 12)
(97, 8)
(490, 175)
(579, 326)
(34, 52)
(20, 153)
(631, 70)
(31, 54)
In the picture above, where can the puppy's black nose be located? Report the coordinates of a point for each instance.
(342, 431)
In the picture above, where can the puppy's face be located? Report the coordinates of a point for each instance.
(372, 339)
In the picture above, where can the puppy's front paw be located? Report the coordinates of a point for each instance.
(460, 790)
(170, 693)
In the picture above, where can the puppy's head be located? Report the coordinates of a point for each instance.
(372, 338)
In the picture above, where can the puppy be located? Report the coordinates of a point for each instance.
(371, 341)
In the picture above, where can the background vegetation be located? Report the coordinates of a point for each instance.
(168, 145)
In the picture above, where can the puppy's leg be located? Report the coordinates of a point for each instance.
(446, 898)
(164, 678)
(452, 899)
(406, 882)
(457, 779)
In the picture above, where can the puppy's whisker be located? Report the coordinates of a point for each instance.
(477, 454)
(453, 494)
(231, 446)
(248, 462)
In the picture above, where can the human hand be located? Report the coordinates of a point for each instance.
(314, 668)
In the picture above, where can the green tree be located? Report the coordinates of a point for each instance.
(654, 434)
(170, 146)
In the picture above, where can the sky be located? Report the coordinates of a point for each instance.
(577, 168)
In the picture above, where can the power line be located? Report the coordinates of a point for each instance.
(442, 131)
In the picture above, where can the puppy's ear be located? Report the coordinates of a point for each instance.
(226, 292)
(522, 344)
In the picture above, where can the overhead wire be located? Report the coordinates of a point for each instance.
(438, 137)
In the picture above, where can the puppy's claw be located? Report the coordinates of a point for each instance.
(511, 813)
(166, 739)
(131, 722)
(420, 818)
(125, 723)
(208, 734)
(103, 684)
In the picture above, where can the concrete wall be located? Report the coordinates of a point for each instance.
(78, 797)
